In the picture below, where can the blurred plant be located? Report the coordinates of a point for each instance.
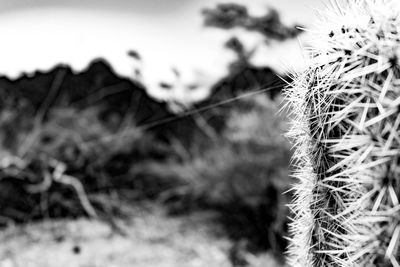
(242, 176)
(63, 158)
(226, 155)
(243, 56)
(244, 124)
(231, 15)
(226, 16)
(345, 125)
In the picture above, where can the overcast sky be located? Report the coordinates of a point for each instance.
(295, 9)
(37, 34)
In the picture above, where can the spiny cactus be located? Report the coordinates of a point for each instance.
(345, 108)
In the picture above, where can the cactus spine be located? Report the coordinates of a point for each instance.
(345, 125)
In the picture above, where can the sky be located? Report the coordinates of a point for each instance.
(38, 34)
(295, 8)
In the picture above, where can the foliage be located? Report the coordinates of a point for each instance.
(79, 144)
(52, 163)
(84, 160)
(243, 176)
(231, 15)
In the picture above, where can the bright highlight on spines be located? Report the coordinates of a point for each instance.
(345, 108)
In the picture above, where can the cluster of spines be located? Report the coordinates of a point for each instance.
(345, 108)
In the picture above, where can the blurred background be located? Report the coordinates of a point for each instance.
(146, 132)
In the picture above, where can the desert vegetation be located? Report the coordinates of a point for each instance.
(93, 145)
(91, 155)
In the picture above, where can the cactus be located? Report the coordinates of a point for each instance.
(345, 124)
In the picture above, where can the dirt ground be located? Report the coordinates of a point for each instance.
(148, 239)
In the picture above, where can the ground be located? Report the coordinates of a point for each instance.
(148, 238)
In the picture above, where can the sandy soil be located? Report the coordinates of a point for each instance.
(149, 239)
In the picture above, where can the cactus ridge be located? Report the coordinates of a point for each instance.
(345, 127)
